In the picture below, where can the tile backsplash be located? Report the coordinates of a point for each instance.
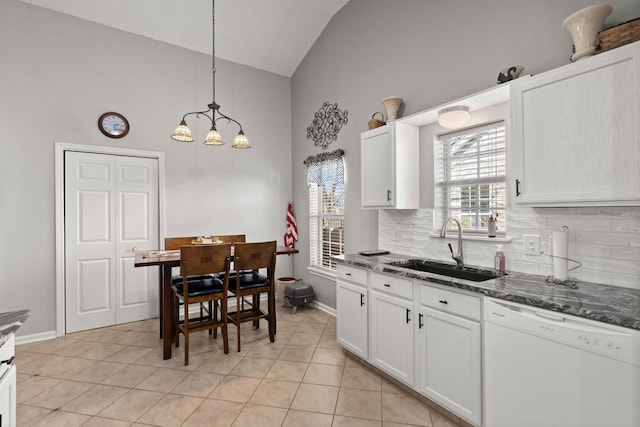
(604, 240)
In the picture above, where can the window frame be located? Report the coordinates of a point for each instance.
(476, 208)
(326, 204)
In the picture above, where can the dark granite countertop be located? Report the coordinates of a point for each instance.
(10, 322)
(603, 303)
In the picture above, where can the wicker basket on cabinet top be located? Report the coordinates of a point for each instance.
(619, 35)
(376, 123)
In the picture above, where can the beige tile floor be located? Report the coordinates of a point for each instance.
(115, 376)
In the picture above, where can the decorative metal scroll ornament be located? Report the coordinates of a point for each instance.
(326, 124)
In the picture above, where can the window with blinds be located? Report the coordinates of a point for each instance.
(470, 176)
(325, 184)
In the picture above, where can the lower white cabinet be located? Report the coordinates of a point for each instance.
(352, 310)
(449, 351)
(7, 383)
(392, 335)
(448, 362)
(423, 335)
(8, 398)
(352, 317)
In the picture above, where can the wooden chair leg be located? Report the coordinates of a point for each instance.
(176, 326)
(225, 339)
(238, 320)
(271, 303)
(215, 316)
(256, 305)
(185, 328)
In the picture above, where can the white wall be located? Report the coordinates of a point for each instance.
(59, 73)
(429, 53)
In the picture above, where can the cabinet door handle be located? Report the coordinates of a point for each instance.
(347, 274)
(388, 195)
(420, 324)
(408, 311)
(517, 187)
(443, 301)
(388, 285)
(9, 361)
(361, 300)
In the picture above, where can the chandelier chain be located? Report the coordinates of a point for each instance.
(183, 133)
(213, 48)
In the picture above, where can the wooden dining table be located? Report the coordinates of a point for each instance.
(167, 260)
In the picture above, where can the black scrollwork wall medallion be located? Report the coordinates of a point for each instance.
(326, 124)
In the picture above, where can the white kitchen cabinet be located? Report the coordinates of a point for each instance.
(424, 335)
(8, 398)
(448, 352)
(389, 167)
(352, 310)
(391, 326)
(7, 384)
(576, 133)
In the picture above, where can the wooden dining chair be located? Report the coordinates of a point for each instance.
(202, 261)
(250, 258)
(175, 243)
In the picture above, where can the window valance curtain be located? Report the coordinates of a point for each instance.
(325, 168)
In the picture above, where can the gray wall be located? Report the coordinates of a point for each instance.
(59, 73)
(427, 52)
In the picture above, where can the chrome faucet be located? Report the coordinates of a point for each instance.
(459, 258)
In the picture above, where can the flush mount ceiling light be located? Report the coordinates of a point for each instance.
(183, 133)
(454, 117)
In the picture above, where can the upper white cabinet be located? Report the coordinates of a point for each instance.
(576, 133)
(389, 166)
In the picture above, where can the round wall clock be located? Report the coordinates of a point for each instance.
(113, 125)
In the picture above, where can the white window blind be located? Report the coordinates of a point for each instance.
(325, 184)
(470, 176)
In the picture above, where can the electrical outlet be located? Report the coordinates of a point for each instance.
(531, 244)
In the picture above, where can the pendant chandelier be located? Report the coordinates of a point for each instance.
(183, 133)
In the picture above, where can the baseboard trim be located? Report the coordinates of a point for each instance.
(42, 336)
(325, 308)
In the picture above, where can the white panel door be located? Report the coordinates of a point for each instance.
(111, 207)
(89, 241)
(136, 229)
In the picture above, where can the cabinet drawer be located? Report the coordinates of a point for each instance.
(450, 302)
(392, 285)
(352, 274)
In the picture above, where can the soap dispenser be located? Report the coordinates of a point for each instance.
(499, 259)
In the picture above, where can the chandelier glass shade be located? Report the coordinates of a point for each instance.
(183, 133)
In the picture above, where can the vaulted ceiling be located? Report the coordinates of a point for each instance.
(271, 35)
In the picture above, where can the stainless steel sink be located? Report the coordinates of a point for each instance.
(450, 270)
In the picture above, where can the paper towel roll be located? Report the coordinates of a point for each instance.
(560, 253)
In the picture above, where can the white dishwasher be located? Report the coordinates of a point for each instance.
(546, 369)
